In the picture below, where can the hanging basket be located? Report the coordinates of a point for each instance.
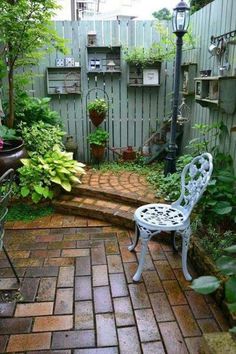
(97, 118)
(97, 151)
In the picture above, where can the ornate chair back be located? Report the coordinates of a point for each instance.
(194, 179)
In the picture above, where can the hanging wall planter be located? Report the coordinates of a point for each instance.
(96, 117)
(97, 111)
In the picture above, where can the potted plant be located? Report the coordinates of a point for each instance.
(97, 140)
(97, 110)
(12, 149)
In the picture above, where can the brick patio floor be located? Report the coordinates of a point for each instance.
(78, 294)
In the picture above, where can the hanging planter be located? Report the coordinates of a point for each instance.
(97, 111)
(96, 117)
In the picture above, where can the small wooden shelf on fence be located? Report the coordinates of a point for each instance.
(63, 80)
(103, 59)
(141, 77)
(188, 73)
(217, 92)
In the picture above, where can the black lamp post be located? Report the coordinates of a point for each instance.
(180, 22)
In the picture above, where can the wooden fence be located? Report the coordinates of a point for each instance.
(136, 112)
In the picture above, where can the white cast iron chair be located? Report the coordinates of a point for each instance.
(151, 219)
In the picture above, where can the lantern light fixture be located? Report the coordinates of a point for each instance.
(180, 18)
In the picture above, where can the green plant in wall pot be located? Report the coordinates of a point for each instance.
(97, 110)
(208, 284)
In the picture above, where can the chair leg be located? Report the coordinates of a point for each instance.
(185, 243)
(135, 240)
(173, 235)
(11, 264)
(138, 274)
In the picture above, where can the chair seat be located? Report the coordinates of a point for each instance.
(163, 216)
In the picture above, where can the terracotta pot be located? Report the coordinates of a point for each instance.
(96, 118)
(10, 155)
(97, 151)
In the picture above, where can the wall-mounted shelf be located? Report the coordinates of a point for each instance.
(103, 59)
(148, 76)
(188, 73)
(216, 92)
(63, 80)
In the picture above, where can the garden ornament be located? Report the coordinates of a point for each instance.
(152, 219)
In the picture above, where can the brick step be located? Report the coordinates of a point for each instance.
(109, 194)
(117, 213)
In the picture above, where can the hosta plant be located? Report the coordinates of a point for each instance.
(208, 284)
(40, 174)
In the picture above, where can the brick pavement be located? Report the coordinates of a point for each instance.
(78, 294)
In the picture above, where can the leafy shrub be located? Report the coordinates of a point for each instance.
(30, 110)
(218, 204)
(41, 137)
(40, 174)
(169, 187)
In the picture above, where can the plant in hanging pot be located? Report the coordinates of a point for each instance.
(97, 110)
(97, 140)
(12, 149)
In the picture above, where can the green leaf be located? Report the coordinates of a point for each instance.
(231, 249)
(39, 189)
(232, 330)
(232, 307)
(66, 185)
(36, 197)
(227, 265)
(205, 285)
(230, 289)
(56, 180)
(222, 208)
(24, 191)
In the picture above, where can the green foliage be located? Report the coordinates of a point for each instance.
(25, 27)
(99, 105)
(218, 204)
(41, 137)
(31, 110)
(227, 266)
(163, 14)
(141, 57)
(98, 137)
(212, 239)
(169, 187)
(26, 34)
(40, 174)
(7, 133)
(165, 49)
(209, 134)
(27, 212)
(196, 5)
